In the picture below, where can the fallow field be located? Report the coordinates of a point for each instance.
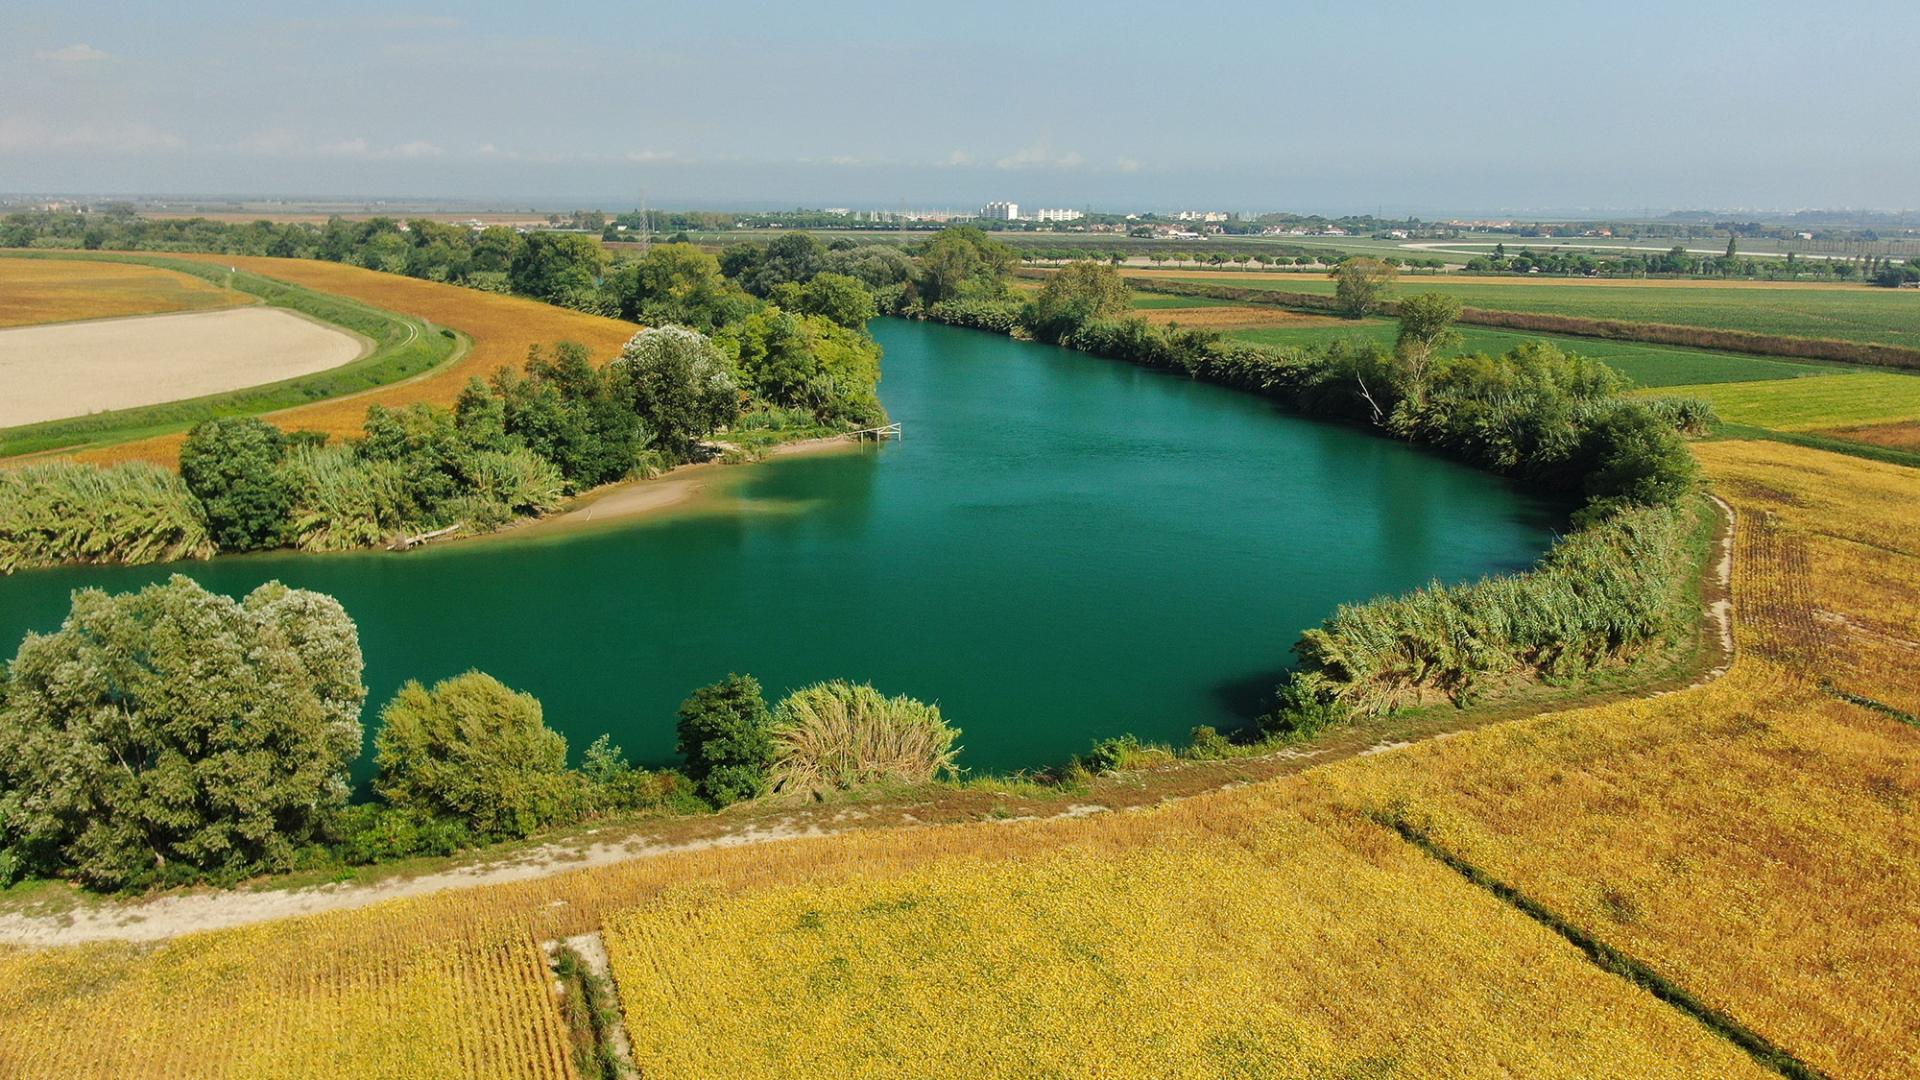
(1745, 848)
(37, 291)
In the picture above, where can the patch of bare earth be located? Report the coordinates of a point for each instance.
(73, 369)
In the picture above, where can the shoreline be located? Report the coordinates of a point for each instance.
(626, 500)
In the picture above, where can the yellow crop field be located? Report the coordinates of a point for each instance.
(501, 328)
(370, 996)
(35, 291)
(1301, 947)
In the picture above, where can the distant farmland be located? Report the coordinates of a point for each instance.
(1856, 313)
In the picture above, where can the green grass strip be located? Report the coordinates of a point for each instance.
(1610, 959)
(1871, 704)
(1865, 451)
(403, 348)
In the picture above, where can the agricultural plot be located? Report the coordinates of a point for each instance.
(1815, 404)
(36, 291)
(1308, 945)
(501, 329)
(71, 369)
(1843, 312)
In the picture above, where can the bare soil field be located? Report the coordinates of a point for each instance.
(501, 327)
(38, 291)
(1239, 317)
(72, 369)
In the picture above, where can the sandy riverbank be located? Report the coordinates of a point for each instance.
(679, 486)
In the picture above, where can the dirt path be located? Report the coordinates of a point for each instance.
(177, 914)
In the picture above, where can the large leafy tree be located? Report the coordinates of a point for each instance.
(1076, 294)
(678, 384)
(556, 266)
(473, 750)
(232, 465)
(964, 263)
(809, 362)
(678, 283)
(174, 733)
(726, 738)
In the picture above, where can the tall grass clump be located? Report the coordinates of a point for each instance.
(343, 501)
(63, 512)
(1597, 596)
(838, 735)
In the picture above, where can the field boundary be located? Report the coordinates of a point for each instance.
(1651, 333)
(401, 347)
(1606, 957)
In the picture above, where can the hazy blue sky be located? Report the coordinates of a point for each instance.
(1421, 107)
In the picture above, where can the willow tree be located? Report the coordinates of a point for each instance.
(173, 734)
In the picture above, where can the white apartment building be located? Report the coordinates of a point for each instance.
(1001, 211)
(1057, 215)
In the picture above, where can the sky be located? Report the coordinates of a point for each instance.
(1400, 107)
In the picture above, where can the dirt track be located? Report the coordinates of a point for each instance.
(52, 372)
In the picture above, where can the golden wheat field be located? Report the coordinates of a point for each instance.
(1755, 840)
(35, 291)
(500, 327)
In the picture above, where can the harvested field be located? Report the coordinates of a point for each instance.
(36, 291)
(1242, 317)
(1896, 436)
(51, 372)
(502, 329)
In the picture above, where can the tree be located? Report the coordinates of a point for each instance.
(963, 262)
(554, 266)
(677, 382)
(473, 750)
(1360, 285)
(1426, 322)
(1075, 295)
(575, 416)
(173, 733)
(726, 739)
(805, 361)
(232, 465)
(836, 297)
(677, 283)
(794, 257)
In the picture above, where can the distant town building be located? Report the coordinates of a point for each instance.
(1057, 215)
(1201, 215)
(1001, 211)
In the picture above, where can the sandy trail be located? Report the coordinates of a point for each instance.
(73, 369)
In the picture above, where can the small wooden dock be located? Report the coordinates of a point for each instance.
(890, 431)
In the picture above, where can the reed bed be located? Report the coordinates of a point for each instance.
(59, 512)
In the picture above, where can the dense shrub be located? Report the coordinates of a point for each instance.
(999, 316)
(172, 733)
(1075, 295)
(726, 739)
(472, 750)
(65, 512)
(839, 735)
(232, 465)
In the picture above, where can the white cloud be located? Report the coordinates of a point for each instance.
(1126, 164)
(1039, 156)
(288, 145)
(958, 159)
(31, 135)
(646, 157)
(77, 53)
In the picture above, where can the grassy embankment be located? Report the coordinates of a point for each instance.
(1747, 844)
(403, 346)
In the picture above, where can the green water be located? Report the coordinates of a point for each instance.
(1061, 548)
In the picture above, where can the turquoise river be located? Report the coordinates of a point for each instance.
(1061, 548)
